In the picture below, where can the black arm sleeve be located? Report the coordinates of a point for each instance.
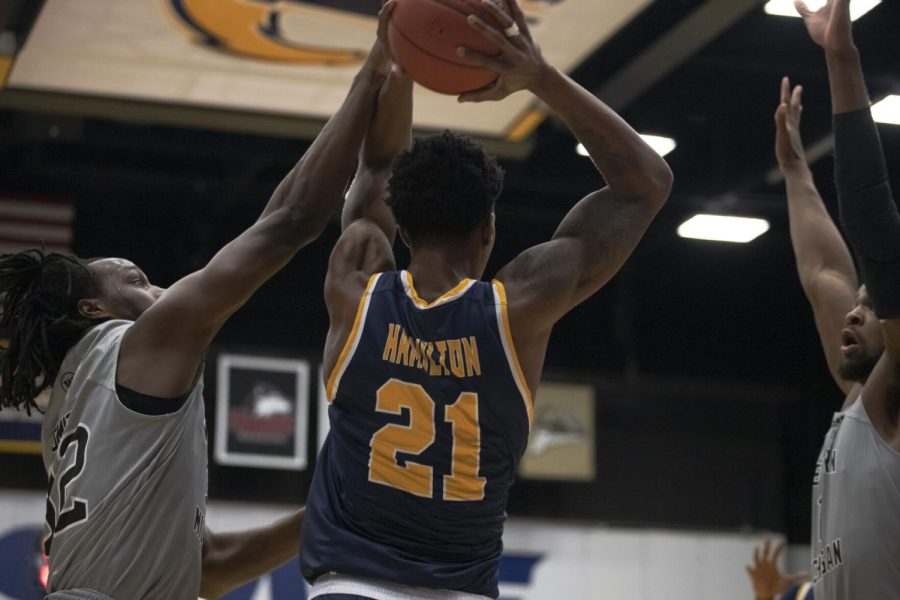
(869, 215)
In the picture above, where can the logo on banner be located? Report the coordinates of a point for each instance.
(255, 29)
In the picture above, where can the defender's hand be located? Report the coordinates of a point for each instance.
(519, 63)
(767, 579)
(788, 143)
(830, 26)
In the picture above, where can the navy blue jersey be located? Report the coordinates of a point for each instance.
(430, 414)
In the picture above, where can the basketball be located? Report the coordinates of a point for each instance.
(424, 36)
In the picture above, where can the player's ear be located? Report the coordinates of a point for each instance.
(93, 309)
(404, 236)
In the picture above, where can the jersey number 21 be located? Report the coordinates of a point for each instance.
(463, 483)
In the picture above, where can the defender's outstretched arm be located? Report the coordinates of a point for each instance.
(824, 263)
(162, 352)
(869, 215)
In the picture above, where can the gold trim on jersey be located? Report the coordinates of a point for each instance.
(803, 591)
(510, 348)
(352, 340)
(458, 290)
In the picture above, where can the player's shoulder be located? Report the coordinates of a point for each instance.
(101, 336)
(362, 249)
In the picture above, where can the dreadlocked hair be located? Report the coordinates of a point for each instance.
(443, 187)
(39, 320)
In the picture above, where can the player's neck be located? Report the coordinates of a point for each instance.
(436, 269)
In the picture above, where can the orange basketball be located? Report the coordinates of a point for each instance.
(424, 36)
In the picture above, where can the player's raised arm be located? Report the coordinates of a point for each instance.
(824, 264)
(601, 231)
(369, 229)
(869, 214)
(368, 226)
(389, 134)
(162, 351)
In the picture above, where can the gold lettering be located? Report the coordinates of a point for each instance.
(390, 347)
(463, 361)
(423, 356)
(456, 358)
(473, 364)
(403, 352)
(442, 349)
(413, 352)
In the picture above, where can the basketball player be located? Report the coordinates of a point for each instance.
(769, 582)
(856, 488)
(124, 440)
(432, 372)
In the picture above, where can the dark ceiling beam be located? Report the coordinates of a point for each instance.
(197, 117)
(672, 49)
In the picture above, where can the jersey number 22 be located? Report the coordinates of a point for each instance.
(78, 511)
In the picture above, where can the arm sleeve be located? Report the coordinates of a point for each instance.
(869, 215)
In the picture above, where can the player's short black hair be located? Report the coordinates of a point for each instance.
(444, 187)
(39, 320)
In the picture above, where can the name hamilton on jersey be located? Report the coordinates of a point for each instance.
(458, 358)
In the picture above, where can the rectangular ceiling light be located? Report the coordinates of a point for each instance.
(785, 8)
(662, 145)
(722, 228)
(887, 111)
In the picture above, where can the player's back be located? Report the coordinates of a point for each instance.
(429, 417)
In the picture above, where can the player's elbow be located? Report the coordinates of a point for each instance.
(659, 183)
(300, 225)
(651, 184)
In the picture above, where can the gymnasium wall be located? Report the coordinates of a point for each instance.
(662, 453)
(542, 560)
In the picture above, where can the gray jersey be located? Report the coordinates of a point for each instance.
(127, 491)
(856, 513)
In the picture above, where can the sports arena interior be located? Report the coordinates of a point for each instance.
(686, 402)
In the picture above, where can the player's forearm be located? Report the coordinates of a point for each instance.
(848, 85)
(233, 559)
(630, 166)
(869, 215)
(389, 134)
(818, 245)
(310, 193)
